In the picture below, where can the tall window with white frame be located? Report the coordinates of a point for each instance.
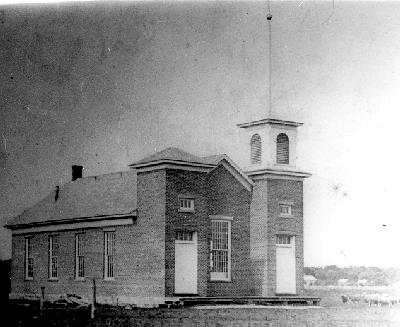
(220, 250)
(109, 255)
(28, 259)
(79, 256)
(53, 256)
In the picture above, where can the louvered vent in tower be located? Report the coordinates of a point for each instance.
(282, 149)
(255, 149)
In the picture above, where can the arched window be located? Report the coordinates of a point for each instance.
(282, 149)
(255, 149)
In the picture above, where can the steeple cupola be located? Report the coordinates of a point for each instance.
(271, 144)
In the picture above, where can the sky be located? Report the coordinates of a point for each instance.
(103, 84)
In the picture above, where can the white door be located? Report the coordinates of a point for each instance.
(186, 263)
(285, 265)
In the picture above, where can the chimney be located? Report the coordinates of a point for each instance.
(57, 193)
(76, 172)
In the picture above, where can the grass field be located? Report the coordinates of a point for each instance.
(331, 313)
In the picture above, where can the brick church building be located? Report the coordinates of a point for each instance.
(173, 224)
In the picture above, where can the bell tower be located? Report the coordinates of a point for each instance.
(276, 208)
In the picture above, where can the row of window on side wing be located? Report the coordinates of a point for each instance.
(54, 254)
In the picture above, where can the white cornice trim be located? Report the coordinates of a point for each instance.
(77, 225)
(220, 217)
(274, 173)
(271, 121)
(173, 162)
(74, 220)
(173, 166)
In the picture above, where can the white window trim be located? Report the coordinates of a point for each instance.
(51, 238)
(292, 243)
(218, 276)
(77, 277)
(220, 217)
(28, 254)
(288, 204)
(189, 198)
(180, 241)
(106, 257)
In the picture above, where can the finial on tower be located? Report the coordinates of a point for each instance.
(269, 18)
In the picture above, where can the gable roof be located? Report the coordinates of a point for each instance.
(113, 195)
(215, 159)
(97, 196)
(177, 156)
(170, 155)
(229, 164)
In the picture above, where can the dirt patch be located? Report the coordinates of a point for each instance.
(332, 313)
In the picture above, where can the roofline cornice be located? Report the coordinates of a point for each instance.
(171, 162)
(277, 173)
(184, 165)
(270, 121)
(132, 214)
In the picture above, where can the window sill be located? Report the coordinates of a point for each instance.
(28, 279)
(186, 211)
(286, 294)
(286, 216)
(109, 279)
(220, 281)
(80, 279)
(186, 294)
(53, 279)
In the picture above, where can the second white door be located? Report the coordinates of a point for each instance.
(186, 263)
(285, 265)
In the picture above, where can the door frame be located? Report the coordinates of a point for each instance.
(195, 243)
(292, 246)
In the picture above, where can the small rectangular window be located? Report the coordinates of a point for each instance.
(184, 236)
(186, 204)
(53, 256)
(109, 255)
(28, 259)
(79, 256)
(284, 239)
(285, 210)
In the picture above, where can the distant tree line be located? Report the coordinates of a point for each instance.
(329, 275)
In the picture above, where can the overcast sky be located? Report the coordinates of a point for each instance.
(105, 84)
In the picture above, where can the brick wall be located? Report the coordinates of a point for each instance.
(292, 191)
(266, 223)
(183, 182)
(139, 271)
(226, 196)
(215, 193)
(259, 238)
(145, 251)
